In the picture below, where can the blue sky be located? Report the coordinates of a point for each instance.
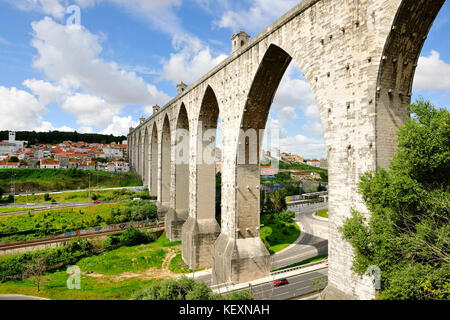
(129, 54)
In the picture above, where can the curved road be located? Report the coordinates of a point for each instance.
(313, 239)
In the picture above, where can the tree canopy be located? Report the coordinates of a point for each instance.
(407, 234)
(54, 137)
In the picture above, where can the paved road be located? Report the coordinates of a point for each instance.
(298, 286)
(313, 240)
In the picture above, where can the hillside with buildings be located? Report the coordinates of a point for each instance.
(20, 154)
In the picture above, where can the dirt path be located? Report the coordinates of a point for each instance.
(167, 260)
(151, 273)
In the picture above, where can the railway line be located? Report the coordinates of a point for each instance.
(39, 242)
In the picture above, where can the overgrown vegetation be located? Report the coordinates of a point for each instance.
(407, 234)
(107, 274)
(39, 180)
(54, 222)
(20, 266)
(186, 289)
(82, 196)
(279, 230)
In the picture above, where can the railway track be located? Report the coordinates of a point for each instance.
(38, 242)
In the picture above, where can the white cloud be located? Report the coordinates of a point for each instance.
(46, 91)
(294, 90)
(71, 55)
(85, 130)
(432, 73)
(189, 64)
(90, 110)
(304, 146)
(120, 126)
(85, 85)
(287, 115)
(19, 110)
(260, 15)
(53, 8)
(313, 128)
(64, 129)
(193, 58)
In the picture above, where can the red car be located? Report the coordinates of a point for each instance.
(96, 202)
(280, 282)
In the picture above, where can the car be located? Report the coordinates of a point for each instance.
(280, 282)
(96, 202)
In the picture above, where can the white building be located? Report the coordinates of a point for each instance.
(118, 166)
(11, 146)
(50, 164)
(112, 153)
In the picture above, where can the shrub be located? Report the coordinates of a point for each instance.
(46, 197)
(177, 289)
(133, 237)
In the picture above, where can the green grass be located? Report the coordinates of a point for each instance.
(280, 235)
(40, 180)
(310, 260)
(322, 213)
(58, 220)
(109, 266)
(177, 265)
(83, 196)
(54, 287)
(6, 210)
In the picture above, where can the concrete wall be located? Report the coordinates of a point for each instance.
(359, 58)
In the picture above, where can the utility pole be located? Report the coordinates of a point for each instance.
(89, 192)
(13, 187)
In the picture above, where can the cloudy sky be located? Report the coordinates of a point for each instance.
(129, 54)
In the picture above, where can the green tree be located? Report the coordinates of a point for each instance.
(408, 233)
(13, 159)
(35, 269)
(279, 201)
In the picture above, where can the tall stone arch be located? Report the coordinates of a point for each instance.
(145, 170)
(176, 218)
(139, 154)
(154, 155)
(201, 231)
(166, 147)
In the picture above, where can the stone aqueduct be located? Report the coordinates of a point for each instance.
(359, 57)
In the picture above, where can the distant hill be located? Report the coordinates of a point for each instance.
(54, 137)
